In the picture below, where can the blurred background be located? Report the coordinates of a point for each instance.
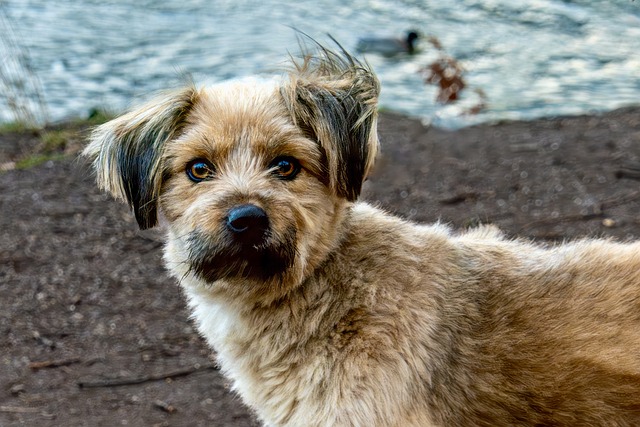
(515, 59)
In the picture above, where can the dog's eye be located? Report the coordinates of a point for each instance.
(199, 170)
(285, 167)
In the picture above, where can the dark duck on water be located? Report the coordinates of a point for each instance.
(389, 46)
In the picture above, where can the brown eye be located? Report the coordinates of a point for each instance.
(199, 170)
(285, 167)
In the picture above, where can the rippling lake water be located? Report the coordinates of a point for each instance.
(530, 58)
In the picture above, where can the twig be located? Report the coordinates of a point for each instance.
(621, 200)
(166, 407)
(19, 410)
(567, 218)
(628, 172)
(599, 211)
(54, 363)
(459, 198)
(116, 382)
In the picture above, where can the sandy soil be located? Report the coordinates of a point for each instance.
(94, 333)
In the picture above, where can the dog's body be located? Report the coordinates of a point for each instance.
(326, 311)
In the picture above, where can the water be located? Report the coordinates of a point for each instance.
(531, 58)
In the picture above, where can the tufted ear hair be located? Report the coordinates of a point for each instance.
(333, 98)
(127, 151)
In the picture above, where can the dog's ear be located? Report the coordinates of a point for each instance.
(333, 98)
(127, 151)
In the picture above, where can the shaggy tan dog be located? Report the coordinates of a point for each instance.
(325, 311)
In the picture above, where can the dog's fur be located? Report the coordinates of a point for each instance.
(343, 315)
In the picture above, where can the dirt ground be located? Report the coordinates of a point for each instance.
(94, 333)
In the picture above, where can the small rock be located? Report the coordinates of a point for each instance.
(17, 389)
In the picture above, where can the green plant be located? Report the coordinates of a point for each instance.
(56, 140)
(15, 126)
(36, 160)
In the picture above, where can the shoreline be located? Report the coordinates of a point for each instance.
(18, 140)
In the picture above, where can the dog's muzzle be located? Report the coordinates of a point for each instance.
(246, 247)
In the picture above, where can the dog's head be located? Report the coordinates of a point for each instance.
(252, 176)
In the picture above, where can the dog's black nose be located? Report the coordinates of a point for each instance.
(249, 223)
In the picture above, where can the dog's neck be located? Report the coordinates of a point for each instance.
(254, 342)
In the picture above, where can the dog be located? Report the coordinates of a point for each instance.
(324, 310)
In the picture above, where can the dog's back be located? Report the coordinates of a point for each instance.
(480, 330)
(548, 336)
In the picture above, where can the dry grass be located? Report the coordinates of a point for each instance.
(20, 90)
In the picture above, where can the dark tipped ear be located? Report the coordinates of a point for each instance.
(333, 99)
(127, 151)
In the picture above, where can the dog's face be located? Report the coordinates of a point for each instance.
(253, 177)
(246, 192)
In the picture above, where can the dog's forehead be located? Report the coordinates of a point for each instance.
(249, 106)
(245, 117)
(252, 89)
(242, 99)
